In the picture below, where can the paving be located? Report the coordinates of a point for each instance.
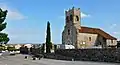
(19, 60)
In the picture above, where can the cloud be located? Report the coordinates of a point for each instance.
(84, 15)
(113, 25)
(13, 14)
(116, 33)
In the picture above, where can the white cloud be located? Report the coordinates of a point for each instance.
(117, 35)
(116, 32)
(12, 13)
(113, 25)
(83, 15)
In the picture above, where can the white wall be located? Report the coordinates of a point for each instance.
(84, 38)
(109, 42)
(66, 46)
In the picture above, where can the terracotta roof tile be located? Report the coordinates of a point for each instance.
(96, 31)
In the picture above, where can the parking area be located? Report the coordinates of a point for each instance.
(19, 60)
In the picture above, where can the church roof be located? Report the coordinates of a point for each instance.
(96, 31)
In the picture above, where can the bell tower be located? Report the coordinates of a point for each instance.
(73, 17)
(72, 26)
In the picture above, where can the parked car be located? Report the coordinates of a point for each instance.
(39, 56)
(12, 53)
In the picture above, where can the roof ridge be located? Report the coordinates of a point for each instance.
(85, 29)
(89, 27)
(107, 33)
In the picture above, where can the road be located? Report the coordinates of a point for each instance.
(19, 60)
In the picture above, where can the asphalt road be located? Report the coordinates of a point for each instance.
(19, 60)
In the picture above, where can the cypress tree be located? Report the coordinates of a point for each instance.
(3, 36)
(48, 39)
(42, 48)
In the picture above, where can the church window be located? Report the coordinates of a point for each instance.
(89, 38)
(111, 41)
(67, 19)
(77, 18)
(68, 32)
(71, 18)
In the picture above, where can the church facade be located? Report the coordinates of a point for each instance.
(81, 36)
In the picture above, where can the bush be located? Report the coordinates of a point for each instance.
(2, 48)
(103, 55)
(24, 50)
(11, 49)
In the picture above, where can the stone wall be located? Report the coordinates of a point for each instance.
(84, 37)
(101, 55)
(70, 38)
(111, 42)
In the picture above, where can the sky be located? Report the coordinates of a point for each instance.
(27, 19)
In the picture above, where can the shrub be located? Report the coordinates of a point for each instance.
(24, 50)
(11, 49)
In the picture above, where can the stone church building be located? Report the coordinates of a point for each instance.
(81, 36)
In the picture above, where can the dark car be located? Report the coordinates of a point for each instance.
(37, 56)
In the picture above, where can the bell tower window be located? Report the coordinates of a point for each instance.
(67, 19)
(71, 18)
(68, 32)
(77, 18)
(89, 38)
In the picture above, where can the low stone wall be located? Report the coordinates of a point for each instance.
(57, 57)
(102, 55)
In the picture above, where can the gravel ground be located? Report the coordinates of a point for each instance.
(19, 60)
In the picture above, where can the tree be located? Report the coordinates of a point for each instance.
(48, 39)
(42, 48)
(24, 50)
(118, 44)
(11, 49)
(55, 48)
(3, 36)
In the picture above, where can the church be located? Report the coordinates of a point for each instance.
(82, 36)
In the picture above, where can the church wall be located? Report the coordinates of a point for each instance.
(105, 42)
(86, 40)
(111, 42)
(63, 37)
(74, 35)
(100, 41)
(71, 37)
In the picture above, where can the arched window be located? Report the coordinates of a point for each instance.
(89, 38)
(71, 18)
(67, 19)
(77, 18)
(111, 41)
(68, 32)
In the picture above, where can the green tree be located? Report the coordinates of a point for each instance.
(3, 36)
(48, 39)
(11, 49)
(42, 48)
(55, 48)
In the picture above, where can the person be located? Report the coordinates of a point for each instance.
(34, 58)
(39, 58)
(25, 57)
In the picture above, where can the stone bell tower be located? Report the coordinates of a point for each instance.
(73, 17)
(72, 24)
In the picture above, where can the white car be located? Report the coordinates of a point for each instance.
(12, 53)
(0, 53)
(6, 53)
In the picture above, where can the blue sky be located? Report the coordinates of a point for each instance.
(27, 19)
